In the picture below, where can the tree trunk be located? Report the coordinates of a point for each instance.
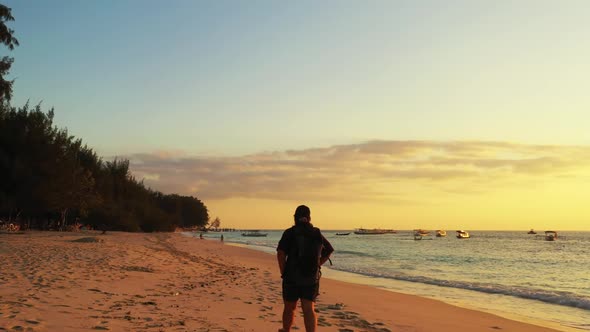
(64, 215)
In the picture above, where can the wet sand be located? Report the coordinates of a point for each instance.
(52, 281)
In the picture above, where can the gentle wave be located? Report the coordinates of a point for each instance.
(553, 297)
(511, 264)
(354, 253)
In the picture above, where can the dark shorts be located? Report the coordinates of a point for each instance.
(293, 292)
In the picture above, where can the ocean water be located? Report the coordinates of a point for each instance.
(512, 274)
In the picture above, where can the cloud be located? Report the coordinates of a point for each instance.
(374, 170)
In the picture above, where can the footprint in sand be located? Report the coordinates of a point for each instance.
(323, 322)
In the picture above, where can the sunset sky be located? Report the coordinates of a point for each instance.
(395, 114)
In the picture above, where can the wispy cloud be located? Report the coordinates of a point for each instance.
(368, 171)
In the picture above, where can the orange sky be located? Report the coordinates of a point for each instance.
(390, 184)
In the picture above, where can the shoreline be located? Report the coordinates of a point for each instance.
(130, 281)
(511, 296)
(422, 290)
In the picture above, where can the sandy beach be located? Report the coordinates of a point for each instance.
(54, 281)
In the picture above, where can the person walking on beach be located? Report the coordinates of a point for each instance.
(300, 253)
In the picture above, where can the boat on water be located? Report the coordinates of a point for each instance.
(550, 235)
(463, 234)
(374, 231)
(254, 233)
(441, 233)
(420, 233)
(342, 234)
(532, 231)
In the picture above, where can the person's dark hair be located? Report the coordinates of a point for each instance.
(302, 214)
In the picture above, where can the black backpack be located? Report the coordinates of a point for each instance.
(303, 258)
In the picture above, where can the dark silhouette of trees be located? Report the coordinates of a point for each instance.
(7, 38)
(49, 180)
(215, 224)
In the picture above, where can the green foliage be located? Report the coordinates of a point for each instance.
(50, 179)
(7, 38)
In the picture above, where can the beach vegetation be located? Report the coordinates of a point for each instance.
(8, 39)
(215, 224)
(49, 179)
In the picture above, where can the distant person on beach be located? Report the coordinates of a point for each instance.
(221, 237)
(301, 252)
(201, 235)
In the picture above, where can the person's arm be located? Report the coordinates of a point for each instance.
(282, 250)
(326, 251)
(324, 259)
(282, 259)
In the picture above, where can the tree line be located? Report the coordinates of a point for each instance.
(50, 179)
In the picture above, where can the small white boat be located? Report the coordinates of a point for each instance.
(463, 235)
(254, 233)
(441, 233)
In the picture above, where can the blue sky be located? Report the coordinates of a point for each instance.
(231, 77)
(208, 97)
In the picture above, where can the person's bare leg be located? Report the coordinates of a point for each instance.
(288, 315)
(309, 316)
